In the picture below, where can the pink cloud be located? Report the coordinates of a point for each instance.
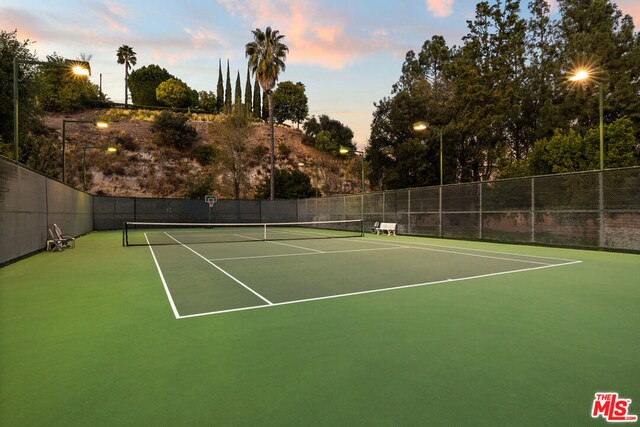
(113, 14)
(631, 7)
(440, 8)
(313, 36)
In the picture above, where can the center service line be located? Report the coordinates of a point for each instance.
(221, 270)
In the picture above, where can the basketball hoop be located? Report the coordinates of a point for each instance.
(210, 200)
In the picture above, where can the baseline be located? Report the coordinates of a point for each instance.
(454, 250)
(371, 291)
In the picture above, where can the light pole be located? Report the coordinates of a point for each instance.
(84, 166)
(346, 150)
(98, 124)
(77, 67)
(584, 75)
(421, 126)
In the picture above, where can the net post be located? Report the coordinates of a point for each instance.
(264, 235)
(123, 223)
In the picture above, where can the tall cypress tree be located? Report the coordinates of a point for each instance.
(257, 110)
(220, 92)
(247, 93)
(227, 93)
(238, 93)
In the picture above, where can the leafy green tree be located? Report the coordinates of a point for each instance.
(620, 145)
(290, 103)
(42, 153)
(174, 93)
(232, 137)
(143, 83)
(267, 54)
(293, 184)
(207, 101)
(505, 90)
(126, 56)
(595, 34)
(327, 134)
(64, 91)
(541, 93)
(572, 152)
(220, 89)
(171, 129)
(30, 114)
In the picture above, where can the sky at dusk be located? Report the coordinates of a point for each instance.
(347, 53)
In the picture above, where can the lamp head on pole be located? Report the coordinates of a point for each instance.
(579, 75)
(420, 126)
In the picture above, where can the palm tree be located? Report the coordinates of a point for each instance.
(126, 56)
(266, 55)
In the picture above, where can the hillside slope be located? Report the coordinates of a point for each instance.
(141, 168)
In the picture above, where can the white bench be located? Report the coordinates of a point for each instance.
(387, 227)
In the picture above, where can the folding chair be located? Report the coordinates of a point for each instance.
(68, 241)
(54, 244)
(376, 228)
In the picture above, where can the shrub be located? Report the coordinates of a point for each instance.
(260, 151)
(127, 142)
(200, 187)
(284, 149)
(171, 130)
(205, 154)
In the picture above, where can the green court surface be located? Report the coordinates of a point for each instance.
(380, 330)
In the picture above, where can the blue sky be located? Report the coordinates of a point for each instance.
(347, 53)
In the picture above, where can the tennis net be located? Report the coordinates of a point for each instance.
(156, 233)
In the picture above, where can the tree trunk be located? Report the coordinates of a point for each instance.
(273, 157)
(126, 84)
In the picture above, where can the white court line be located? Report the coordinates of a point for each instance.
(377, 290)
(295, 246)
(309, 253)
(278, 243)
(164, 282)
(475, 255)
(483, 250)
(221, 270)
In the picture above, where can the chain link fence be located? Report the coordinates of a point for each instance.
(584, 210)
(30, 203)
(588, 210)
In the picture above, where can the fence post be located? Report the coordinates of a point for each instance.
(533, 210)
(480, 195)
(384, 204)
(602, 239)
(440, 211)
(409, 211)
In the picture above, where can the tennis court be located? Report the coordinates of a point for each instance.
(239, 267)
(372, 330)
